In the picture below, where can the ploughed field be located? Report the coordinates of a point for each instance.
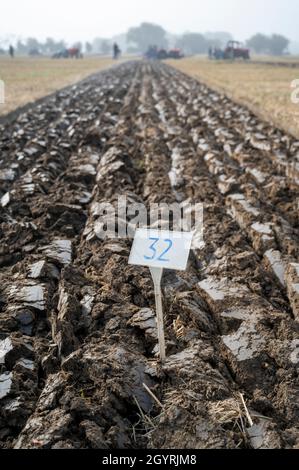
(78, 336)
(263, 86)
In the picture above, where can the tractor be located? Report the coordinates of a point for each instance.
(175, 54)
(71, 53)
(161, 54)
(236, 50)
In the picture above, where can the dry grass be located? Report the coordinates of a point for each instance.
(27, 79)
(273, 58)
(266, 90)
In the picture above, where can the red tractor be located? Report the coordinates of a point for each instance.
(236, 50)
(175, 54)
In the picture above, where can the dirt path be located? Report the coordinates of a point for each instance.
(78, 337)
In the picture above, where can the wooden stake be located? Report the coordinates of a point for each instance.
(157, 276)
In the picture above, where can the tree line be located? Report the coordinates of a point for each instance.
(197, 43)
(273, 45)
(138, 39)
(32, 46)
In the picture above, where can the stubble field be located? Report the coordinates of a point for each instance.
(28, 79)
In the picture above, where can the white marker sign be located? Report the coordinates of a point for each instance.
(159, 249)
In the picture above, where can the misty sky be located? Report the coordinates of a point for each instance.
(100, 18)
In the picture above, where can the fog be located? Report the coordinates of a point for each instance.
(72, 20)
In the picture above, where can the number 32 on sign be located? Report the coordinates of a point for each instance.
(160, 249)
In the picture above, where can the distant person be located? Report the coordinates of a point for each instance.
(210, 53)
(152, 53)
(11, 51)
(218, 54)
(116, 51)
